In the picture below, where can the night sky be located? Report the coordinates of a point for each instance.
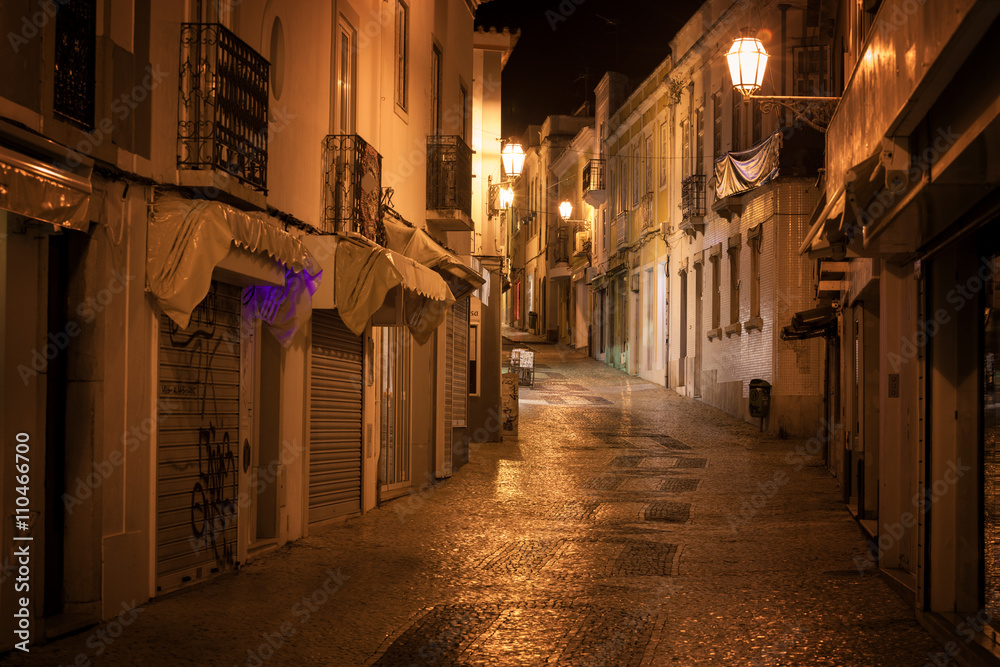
(567, 45)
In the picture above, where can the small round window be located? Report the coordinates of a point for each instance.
(277, 58)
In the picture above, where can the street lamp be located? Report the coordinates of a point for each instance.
(506, 197)
(747, 60)
(513, 159)
(565, 210)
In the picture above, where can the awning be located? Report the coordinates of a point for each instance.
(188, 238)
(811, 324)
(365, 275)
(840, 219)
(43, 180)
(421, 248)
(743, 171)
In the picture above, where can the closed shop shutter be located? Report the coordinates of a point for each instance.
(335, 419)
(197, 459)
(460, 362)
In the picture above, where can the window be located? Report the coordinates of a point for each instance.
(754, 239)
(402, 53)
(637, 171)
(686, 147)
(473, 360)
(717, 124)
(75, 61)
(463, 99)
(663, 153)
(699, 145)
(716, 292)
(737, 129)
(649, 164)
(346, 71)
(436, 90)
(734, 283)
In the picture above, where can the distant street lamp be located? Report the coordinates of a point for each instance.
(513, 159)
(747, 60)
(506, 197)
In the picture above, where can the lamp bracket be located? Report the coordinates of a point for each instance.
(815, 112)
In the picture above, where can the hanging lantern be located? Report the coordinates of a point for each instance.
(513, 160)
(747, 60)
(506, 198)
(565, 210)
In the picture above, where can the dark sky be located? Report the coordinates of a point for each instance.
(567, 45)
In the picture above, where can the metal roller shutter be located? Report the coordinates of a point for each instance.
(197, 459)
(335, 419)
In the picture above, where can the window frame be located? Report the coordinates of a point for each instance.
(402, 55)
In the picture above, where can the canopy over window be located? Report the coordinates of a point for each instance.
(43, 180)
(421, 248)
(188, 238)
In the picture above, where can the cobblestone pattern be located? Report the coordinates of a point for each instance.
(516, 561)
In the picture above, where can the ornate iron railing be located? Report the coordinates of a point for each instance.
(593, 176)
(222, 119)
(646, 211)
(693, 196)
(449, 174)
(75, 61)
(562, 246)
(352, 186)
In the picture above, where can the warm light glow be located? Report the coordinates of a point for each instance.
(513, 159)
(565, 210)
(747, 61)
(506, 198)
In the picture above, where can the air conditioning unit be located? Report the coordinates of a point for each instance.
(666, 229)
(582, 244)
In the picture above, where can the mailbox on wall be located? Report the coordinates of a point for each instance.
(760, 399)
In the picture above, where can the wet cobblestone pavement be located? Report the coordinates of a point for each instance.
(618, 529)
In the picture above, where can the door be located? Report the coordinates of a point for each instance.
(394, 412)
(335, 419)
(698, 324)
(683, 330)
(198, 436)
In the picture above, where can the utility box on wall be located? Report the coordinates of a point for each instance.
(760, 398)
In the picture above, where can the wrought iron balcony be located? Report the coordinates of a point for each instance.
(352, 186)
(693, 190)
(561, 250)
(593, 182)
(449, 181)
(222, 119)
(646, 212)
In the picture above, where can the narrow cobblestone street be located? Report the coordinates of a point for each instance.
(625, 526)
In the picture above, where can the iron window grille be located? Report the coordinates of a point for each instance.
(593, 176)
(223, 101)
(75, 61)
(352, 186)
(693, 197)
(449, 174)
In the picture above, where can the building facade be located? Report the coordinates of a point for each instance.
(237, 301)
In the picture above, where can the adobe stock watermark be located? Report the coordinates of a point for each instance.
(891, 533)
(892, 20)
(796, 459)
(959, 296)
(85, 486)
(100, 639)
(302, 610)
(967, 629)
(33, 24)
(563, 11)
(57, 342)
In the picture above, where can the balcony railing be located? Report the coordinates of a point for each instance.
(352, 186)
(562, 245)
(593, 175)
(646, 211)
(449, 174)
(593, 182)
(693, 197)
(222, 119)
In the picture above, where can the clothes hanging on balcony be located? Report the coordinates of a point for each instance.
(420, 247)
(739, 172)
(187, 239)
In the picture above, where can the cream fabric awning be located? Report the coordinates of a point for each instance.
(188, 238)
(43, 180)
(366, 274)
(421, 248)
